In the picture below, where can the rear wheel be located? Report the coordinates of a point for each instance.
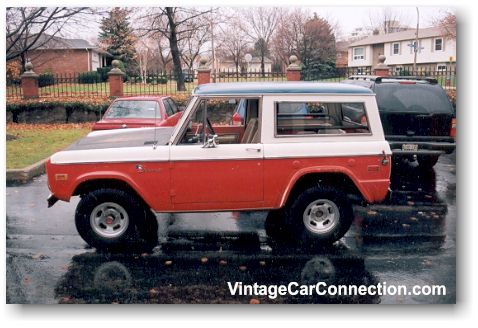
(114, 220)
(320, 215)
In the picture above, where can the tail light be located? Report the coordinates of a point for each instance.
(453, 128)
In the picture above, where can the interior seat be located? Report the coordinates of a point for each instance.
(251, 129)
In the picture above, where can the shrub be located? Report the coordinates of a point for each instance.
(103, 72)
(89, 77)
(45, 79)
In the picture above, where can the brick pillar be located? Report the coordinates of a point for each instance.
(204, 72)
(29, 81)
(293, 70)
(381, 69)
(115, 80)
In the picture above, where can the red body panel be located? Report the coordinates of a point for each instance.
(189, 186)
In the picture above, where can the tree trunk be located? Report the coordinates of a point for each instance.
(175, 54)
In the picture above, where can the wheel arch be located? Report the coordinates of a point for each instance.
(334, 177)
(89, 184)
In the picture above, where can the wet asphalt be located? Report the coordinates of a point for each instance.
(408, 240)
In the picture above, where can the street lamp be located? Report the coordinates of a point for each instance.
(247, 58)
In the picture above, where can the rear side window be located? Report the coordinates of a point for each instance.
(311, 118)
(168, 108)
(412, 98)
(174, 108)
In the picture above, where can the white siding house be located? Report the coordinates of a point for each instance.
(436, 52)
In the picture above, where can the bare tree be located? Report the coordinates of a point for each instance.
(173, 23)
(260, 24)
(447, 23)
(233, 42)
(386, 20)
(192, 45)
(28, 28)
(289, 35)
(145, 49)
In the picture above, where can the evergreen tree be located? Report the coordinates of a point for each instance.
(317, 51)
(117, 37)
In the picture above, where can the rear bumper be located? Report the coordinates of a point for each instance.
(426, 145)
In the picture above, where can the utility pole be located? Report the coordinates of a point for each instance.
(416, 47)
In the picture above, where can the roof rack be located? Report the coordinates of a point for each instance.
(376, 78)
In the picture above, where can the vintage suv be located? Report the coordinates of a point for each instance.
(304, 151)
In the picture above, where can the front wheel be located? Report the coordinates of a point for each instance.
(114, 220)
(320, 215)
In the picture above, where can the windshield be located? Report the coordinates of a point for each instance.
(134, 109)
(420, 98)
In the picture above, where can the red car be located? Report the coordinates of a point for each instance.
(139, 112)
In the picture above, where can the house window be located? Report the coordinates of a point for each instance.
(438, 44)
(396, 48)
(359, 53)
(441, 68)
(398, 69)
(360, 71)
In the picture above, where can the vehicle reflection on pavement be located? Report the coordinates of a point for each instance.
(199, 253)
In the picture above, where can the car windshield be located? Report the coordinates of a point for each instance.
(134, 109)
(421, 98)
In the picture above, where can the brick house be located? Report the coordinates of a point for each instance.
(341, 54)
(67, 56)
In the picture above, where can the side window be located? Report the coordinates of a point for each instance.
(225, 117)
(311, 118)
(167, 107)
(173, 106)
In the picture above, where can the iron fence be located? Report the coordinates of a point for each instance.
(246, 76)
(93, 84)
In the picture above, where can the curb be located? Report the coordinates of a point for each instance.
(26, 174)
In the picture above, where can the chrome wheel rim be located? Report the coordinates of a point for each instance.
(109, 220)
(321, 216)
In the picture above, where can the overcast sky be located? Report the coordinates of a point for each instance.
(346, 17)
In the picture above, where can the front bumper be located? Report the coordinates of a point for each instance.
(51, 200)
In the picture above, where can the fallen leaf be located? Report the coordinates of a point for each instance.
(204, 260)
(222, 262)
(168, 263)
(242, 268)
(254, 301)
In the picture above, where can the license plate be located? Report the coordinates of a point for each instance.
(409, 147)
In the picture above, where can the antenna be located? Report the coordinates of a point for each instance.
(155, 142)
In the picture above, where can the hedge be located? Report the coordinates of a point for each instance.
(89, 77)
(96, 105)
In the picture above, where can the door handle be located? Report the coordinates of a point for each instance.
(254, 149)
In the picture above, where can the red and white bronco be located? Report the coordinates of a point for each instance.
(301, 151)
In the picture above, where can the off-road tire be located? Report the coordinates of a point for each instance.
(137, 231)
(327, 200)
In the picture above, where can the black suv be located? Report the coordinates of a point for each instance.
(416, 115)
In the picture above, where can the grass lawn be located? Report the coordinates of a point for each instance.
(37, 141)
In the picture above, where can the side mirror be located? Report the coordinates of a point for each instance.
(211, 141)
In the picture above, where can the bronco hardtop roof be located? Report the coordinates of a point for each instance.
(258, 88)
